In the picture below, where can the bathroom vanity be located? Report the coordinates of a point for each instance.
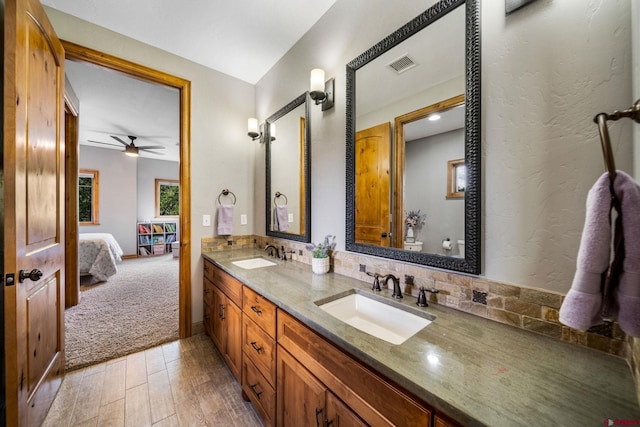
(300, 365)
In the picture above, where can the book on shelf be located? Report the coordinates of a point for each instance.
(157, 228)
(144, 229)
(170, 227)
(144, 240)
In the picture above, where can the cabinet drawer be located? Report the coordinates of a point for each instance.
(261, 393)
(207, 270)
(231, 286)
(208, 291)
(260, 310)
(260, 348)
(349, 379)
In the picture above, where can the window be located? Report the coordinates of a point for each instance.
(167, 197)
(88, 197)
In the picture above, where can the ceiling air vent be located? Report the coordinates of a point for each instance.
(402, 64)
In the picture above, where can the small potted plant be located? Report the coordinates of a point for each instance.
(413, 220)
(320, 261)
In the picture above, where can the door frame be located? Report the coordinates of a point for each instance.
(399, 150)
(76, 52)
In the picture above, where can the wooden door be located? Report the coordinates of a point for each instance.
(373, 187)
(340, 415)
(33, 212)
(300, 396)
(233, 326)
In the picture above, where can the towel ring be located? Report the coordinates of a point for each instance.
(279, 194)
(601, 119)
(226, 192)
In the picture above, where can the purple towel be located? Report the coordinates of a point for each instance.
(582, 306)
(628, 296)
(282, 218)
(225, 220)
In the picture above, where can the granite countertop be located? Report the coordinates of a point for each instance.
(474, 370)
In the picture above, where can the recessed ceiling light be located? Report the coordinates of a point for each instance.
(434, 117)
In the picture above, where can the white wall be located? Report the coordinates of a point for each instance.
(221, 152)
(547, 69)
(117, 196)
(425, 189)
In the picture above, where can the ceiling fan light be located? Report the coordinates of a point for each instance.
(131, 151)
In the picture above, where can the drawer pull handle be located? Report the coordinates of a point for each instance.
(318, 412)
(256, 310)
(255, 347)
(253, 389)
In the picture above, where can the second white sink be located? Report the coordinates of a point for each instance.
(250, 264)
(384, 321)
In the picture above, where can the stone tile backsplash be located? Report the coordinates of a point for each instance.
(534, 310)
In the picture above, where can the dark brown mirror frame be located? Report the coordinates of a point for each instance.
(305, 236)
(472, 260)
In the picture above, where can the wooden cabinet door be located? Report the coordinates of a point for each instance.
(218, 335)
(340, 415)
(208, 329)
(233, 325)
(301, 398)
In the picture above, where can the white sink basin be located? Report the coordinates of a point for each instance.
(250, 264)
(392, 324)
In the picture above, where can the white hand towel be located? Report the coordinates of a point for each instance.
(225, 220)
(282, 218)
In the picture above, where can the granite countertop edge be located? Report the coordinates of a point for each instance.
(451, 334)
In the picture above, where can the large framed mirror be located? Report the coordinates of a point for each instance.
(413, 182)
(288, 171)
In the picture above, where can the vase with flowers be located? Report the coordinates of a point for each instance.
(320, 254)
(413, 221)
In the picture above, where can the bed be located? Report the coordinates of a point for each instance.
(98, 255)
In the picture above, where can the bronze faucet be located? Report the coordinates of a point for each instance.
(271, 250)
(397, 293)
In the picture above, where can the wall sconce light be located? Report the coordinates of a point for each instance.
(272, 132)
(321, 91)
(256, 133)
(252, 129)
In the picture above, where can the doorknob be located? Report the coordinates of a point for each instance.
(384, 235)
(34, 275)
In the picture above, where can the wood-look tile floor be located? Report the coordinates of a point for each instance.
(182, 383)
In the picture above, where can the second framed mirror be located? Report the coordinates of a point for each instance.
(288, 171)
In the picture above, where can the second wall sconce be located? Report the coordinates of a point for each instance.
(256, 133)
(321, 91)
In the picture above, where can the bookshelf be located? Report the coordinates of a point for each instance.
(155, 238)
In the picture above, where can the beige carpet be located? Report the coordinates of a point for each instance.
(133, 310)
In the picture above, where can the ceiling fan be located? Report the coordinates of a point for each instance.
(131, 149)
